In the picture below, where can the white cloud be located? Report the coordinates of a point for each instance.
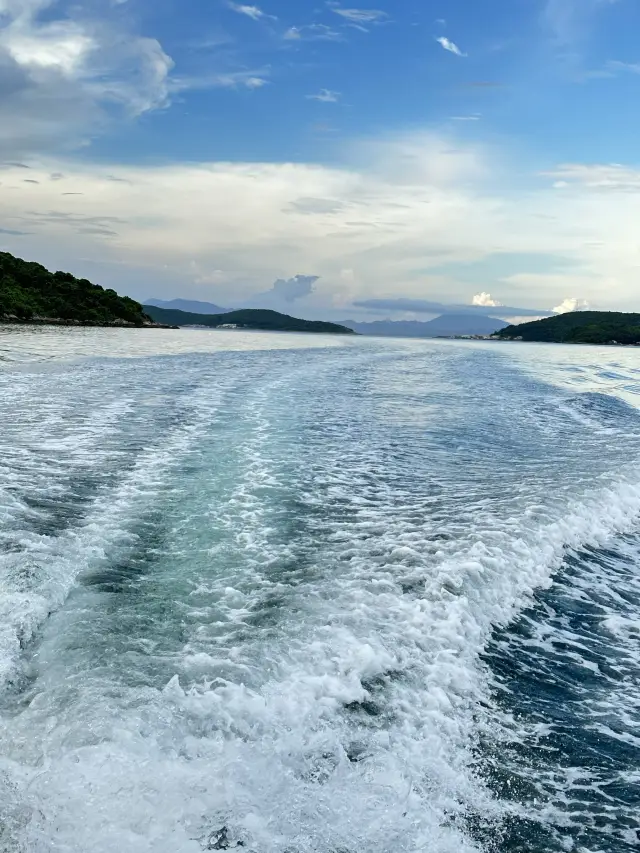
(255, 82)
(360, 16)
(231, 80)
(612, 177)
(474, 117)
(485, 299)
(571, 304)
(62, 46)
(64, 77)
(312, 32)
(254, 12)
(450, 46)
(85, 58)
(254, 221)
(326, 96)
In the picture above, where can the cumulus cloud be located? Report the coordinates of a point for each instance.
(65, 75)
(485, 299)
(428, 306)
(326, 96)
(59, 75)
(452, 47)
(294, 288)
(571, 304)
(283, 293)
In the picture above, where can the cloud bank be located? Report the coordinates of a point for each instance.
(419, 204)
(427, 306)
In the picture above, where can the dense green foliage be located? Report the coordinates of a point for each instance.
(28, 290)
(248, 318)
(580, 327)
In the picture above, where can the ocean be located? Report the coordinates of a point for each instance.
(307, 594)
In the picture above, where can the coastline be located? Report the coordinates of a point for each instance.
(12, 320)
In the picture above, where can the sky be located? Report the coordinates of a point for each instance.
(371, 160)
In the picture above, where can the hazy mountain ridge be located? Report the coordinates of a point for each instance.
(247, 318)
(447, 324)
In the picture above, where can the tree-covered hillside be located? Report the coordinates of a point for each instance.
(28, 291)
(579, 327)
(247, 318)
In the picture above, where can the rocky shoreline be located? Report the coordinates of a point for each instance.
(12, 319)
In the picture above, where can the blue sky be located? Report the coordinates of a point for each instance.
(410, 150)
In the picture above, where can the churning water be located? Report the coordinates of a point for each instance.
(317, 595)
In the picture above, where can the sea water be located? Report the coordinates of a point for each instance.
(307, 594)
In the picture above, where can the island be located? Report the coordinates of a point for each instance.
(578, 327)
(246, 318)
(29, 293)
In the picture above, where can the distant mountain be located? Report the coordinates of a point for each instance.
(191, 305)
(247, 318)
(447, 324)
(30, 293)
(580, 327)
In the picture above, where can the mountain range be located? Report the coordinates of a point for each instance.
(247, 318)
(447, 325)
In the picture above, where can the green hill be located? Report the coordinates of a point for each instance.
(579, 327)
(247, 318)
(29, 292)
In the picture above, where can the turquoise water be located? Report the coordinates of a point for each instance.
(296, 593)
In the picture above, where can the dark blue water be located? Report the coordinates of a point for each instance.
(567, 687)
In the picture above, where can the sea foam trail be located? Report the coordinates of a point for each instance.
(285, 652)
(76, 479)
